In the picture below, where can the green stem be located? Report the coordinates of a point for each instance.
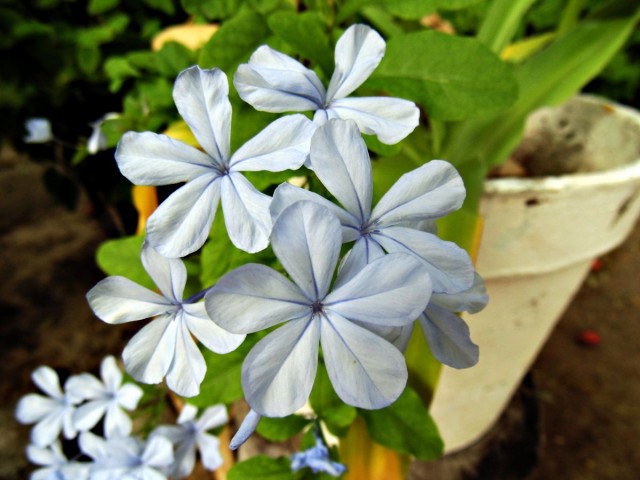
(570, 16)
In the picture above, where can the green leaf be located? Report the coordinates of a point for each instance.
(281, 429)
(501, 22)
(380, 148)
(96, 7)
(234, 42)
(406, 427)
(416, 9)
(452, 77)
(310, 26)
(212, 10)
(166, 6)
(88, 57)
(122, 257)
(119, 69)
(174, 57)
(263, 468)
(222, 382)
(337, 415)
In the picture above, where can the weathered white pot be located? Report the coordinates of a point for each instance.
(540, 238)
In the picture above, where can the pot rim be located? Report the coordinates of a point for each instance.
(552, 183)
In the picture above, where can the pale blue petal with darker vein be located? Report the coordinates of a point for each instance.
(149, 158)
(278, 372)
(202, 99)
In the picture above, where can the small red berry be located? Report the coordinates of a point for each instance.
(589, 338)
(596, 265)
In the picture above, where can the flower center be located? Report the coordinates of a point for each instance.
(316, 307)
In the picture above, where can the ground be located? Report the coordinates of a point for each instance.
(575, 418)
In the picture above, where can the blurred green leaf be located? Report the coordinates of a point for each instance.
(165, 6)
(281, 429)
(119, 69)
(234, 42)
(96, 7)
(174, 57)
(452, 77)
(336, 415)
(263, 468)
(122, 257)
(291, 27)
(212, 10)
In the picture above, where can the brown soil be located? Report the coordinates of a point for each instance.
(577, 417)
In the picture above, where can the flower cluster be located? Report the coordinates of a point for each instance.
(358, 276)
(77, 410)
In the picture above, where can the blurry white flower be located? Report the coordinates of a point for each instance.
(56, 466)
(106, 398)
(97, 141)
(38, 130)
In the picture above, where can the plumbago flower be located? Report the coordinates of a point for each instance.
(275, 82)
(127, 457)
(51, 414)
(182, 222)
(55, 464)
(317, 459)
(164, 347)
(190, 435)
(278, 373)
(106, 399)
(340, 159)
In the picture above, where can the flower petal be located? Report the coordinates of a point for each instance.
(181, 224)
(472, 300)
(89, 414)
(169, 274)
(306, 238)
(202, 98)
(149, 354)
(212, 417)
(34, 407)
(428, 192)
(116, 422)
(282, 145)
(47, 380)
(390, 119)
(287, 194)
(129, 395)
(278, 372)
(44, 456)
(448, 337)
(119, 300)
(364, 251)
(358, 52)
(188, 368)
(47, 430)
(254, 297)
(449, 266)
(151, 159)
(246, 213)
(365, 370)
(207, 332)
(340, 159)
(187, 414)
(275, 82)
(110, 374)
(158, 452)
(401, 291)
(210, 456)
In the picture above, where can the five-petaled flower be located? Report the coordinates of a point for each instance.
(182, 222)
(190, 434)
(165, 345)
(51, 414)
(278, 373)
(275, 82)
(106, 399)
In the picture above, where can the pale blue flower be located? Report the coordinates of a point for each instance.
(51, 414)
(38, 130)
(190, 434)
(317, 459)
(275, 82)
(277, 375)
(127, 458)
(97, 140)
(106, 398)
(340, 159)
(164, 347)
(55, 464)
(182, 222)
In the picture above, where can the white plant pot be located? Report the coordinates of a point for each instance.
(540, 238)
